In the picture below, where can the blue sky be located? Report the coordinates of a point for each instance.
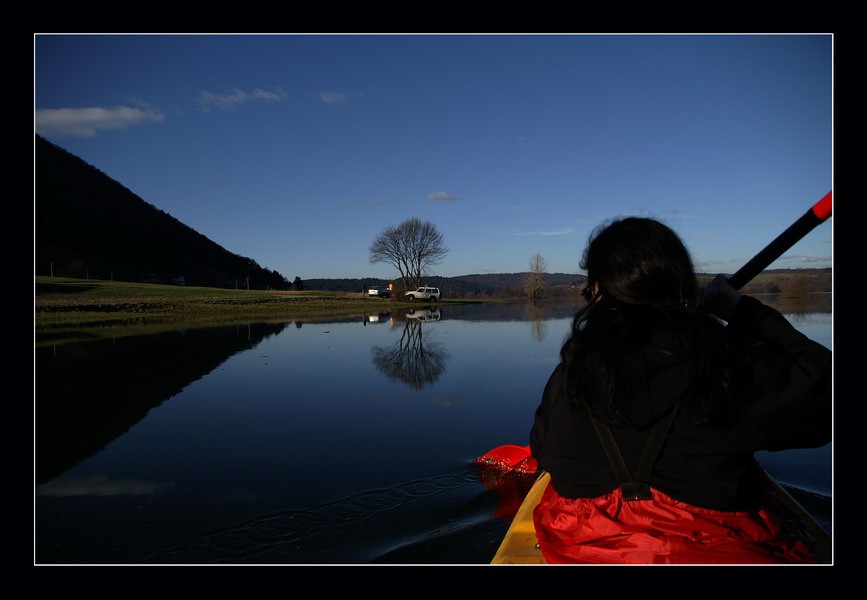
(297, 150)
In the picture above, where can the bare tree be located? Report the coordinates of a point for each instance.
(411, 248)
(535, 280)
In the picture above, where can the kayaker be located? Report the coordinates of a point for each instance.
(685, 385)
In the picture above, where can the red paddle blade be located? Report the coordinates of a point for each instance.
(509, 458)
(822, 209)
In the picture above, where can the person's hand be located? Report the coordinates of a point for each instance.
(719, 298)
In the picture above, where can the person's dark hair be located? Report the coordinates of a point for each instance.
(644, 292)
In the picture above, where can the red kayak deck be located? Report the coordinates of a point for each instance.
(519, 546)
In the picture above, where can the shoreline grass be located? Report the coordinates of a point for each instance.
(85, 309)
(79, 309)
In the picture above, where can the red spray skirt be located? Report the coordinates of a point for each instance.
(609, 530)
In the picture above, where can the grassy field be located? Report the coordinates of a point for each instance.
(76, 309)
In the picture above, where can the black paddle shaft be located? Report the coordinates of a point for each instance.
(797, 230)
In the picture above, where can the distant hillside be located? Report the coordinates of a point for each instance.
(89, 225)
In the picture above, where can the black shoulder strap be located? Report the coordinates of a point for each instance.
(637, 487)
(609, 444)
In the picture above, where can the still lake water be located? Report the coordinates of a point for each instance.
(350, 441)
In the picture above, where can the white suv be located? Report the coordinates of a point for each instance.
(423, 293)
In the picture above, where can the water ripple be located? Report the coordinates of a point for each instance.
(342, 531)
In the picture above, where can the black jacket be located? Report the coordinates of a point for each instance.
(788, 378)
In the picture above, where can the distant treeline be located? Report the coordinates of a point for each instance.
(495, 285)
(788, 283)
(784, 282)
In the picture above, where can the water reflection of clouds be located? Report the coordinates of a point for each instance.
(101, 485)
(816, 326)
(441, 400)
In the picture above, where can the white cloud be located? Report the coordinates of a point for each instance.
(442, 197)
(211, 100)
(375, 202)
(260, 94)
(332, 97)
(432, 197)
(85, 122)
(805, 259)
(546, 232)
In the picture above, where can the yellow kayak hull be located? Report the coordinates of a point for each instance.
(519, 544)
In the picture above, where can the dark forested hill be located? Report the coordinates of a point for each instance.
(89, 225)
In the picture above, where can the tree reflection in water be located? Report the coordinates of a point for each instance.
(414, 360)
(535, 315)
